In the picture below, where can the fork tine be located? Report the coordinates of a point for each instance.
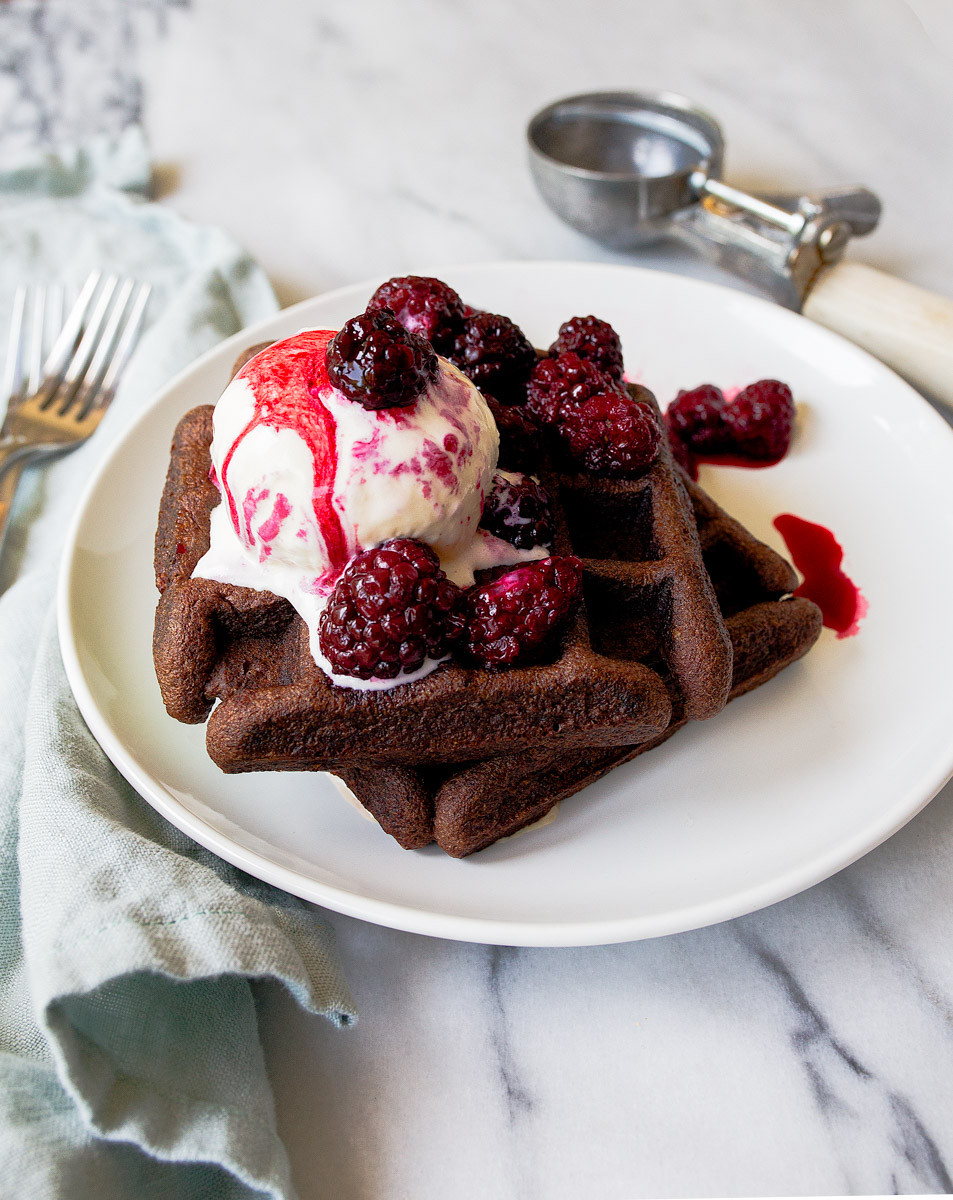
(55, 364)
(37, 329)
(62, 397)
(126, 342)
(100, 359)
(48, 325)
(11, 371)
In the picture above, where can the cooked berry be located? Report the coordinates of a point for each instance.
(391, 608)
(520, 448)
(566, 378)
(760, 420)
(591, 338)
(697, 419)
(496, 355)
(518, 511)
(423, 305)
(683, 456)
(610, 434)
(512, 619)
(377, 362)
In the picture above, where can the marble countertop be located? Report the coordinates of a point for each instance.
(805, 1049)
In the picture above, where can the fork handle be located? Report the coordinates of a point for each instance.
(8, 490)
(12, 453)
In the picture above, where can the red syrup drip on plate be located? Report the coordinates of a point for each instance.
(818, 556)
(286, 381)
(736, 460)
(693, 461)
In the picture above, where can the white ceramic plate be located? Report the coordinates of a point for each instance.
(786, 786)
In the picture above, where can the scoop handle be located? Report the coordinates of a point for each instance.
(907, 327)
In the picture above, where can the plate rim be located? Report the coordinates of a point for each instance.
(411, 917)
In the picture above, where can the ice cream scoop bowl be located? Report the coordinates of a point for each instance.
(617, 165)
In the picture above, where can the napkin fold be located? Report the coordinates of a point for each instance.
(130, 1061)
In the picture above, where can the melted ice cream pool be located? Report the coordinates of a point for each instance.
(309, 478)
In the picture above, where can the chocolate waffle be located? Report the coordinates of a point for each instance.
(468, 808)
(278, 711)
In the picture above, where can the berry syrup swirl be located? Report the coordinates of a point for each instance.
(286, 382)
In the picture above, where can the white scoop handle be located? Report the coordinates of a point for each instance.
(907, 327)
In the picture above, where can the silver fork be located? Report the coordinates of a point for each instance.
(56, 404)
(35, 322)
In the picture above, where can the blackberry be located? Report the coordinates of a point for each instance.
(391, 608)
(683, 456)
(496, 355)
(375, 361)
(696, 418)
(518, 511)
(610, 434)
(760, 419)
(423, 305)
(513, 619)
(519, 436)
(591, 338)
(566, 378)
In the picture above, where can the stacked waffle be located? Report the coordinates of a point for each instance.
(682, 610)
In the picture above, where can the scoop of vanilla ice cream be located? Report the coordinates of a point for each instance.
(420, 472)
(309, 478)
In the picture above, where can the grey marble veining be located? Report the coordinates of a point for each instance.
(806, 1049)
(69, 71)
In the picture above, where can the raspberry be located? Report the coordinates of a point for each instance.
(496, 355)
(593, 339)
(517, 510)
(375, 361)
(567, 378)
(519, 436)
(611, 434)
(760, 419)
(391, 608)
(423, 305)
(696, 418)
(513, 618)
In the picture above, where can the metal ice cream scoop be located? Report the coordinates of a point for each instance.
(628, 168)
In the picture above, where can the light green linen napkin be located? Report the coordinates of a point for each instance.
(130, 1062)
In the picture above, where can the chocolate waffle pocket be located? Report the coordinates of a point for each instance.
(466, 808)
(278, 711)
